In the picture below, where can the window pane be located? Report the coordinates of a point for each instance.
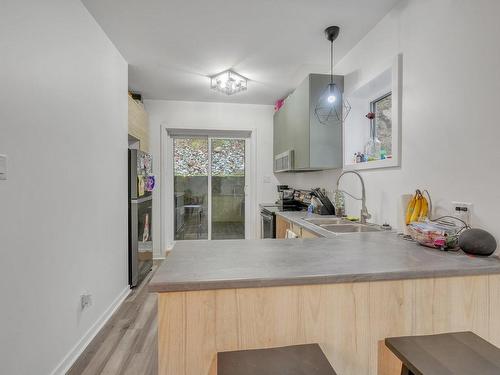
(191, 188)
(383, 123)
(228, 188)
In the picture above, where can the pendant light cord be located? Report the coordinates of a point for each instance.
(331, 62)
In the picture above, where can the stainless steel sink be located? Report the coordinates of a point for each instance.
(339, 225)
(350, 228)
(325, 220)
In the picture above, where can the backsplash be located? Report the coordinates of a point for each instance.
(382, 210)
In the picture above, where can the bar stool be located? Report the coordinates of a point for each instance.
(460, 353)
(288, 360)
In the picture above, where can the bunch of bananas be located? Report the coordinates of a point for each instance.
(417, 209)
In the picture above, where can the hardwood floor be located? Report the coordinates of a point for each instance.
(128, 343)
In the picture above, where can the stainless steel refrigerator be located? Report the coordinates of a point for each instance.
(140, 244)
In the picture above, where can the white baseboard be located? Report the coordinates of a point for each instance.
(80, 346)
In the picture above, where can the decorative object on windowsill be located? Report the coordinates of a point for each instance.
(373, 147)
(332, 109)
(359, 158)
(228, 82)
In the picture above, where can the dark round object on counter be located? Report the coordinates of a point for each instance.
(477, 242)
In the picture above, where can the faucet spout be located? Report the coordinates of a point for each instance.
(364, 216)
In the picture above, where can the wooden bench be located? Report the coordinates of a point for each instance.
(290, 360)
(461, 353)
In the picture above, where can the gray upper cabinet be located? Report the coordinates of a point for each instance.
(301, 142)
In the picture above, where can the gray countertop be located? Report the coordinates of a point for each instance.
(204, 265)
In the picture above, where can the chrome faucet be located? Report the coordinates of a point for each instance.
(364, 211)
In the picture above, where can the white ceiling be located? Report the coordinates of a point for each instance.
(173, 45)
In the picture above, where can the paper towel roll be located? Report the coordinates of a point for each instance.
(403, 205)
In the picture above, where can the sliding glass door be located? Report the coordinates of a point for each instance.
(191, 188)
(227, 167)
(209, 188)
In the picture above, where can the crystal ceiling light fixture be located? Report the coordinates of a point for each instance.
(228, 82)
(331, 108)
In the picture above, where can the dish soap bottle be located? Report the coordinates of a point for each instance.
(310, 210)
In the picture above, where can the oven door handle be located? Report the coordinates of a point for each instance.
(266, 216)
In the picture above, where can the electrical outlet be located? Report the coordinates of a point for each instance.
(86, 300)
(462, 210)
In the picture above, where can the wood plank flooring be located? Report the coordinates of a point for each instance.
(128, 343)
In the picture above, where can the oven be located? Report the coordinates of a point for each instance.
(267, 223)
(268, 216)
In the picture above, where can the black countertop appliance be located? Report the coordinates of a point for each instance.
(327, 206)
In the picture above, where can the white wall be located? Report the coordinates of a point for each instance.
(63, 209)
(451, 82)
(203, 115)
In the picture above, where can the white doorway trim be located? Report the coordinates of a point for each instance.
(166, 188)
(209, 188)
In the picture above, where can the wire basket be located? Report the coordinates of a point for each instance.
(437, 234)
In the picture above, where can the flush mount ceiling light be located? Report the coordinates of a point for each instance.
(228, 82)
(332, 109)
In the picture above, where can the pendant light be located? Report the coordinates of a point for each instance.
(331, 108)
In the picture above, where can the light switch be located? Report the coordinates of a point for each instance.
(3, 167)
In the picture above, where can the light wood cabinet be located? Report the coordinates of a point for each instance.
(138, 123)
(297, 229)
(350, 320)
(281, 226)
(307, 234)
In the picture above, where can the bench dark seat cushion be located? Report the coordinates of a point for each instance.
(460, 353)
(288, 360)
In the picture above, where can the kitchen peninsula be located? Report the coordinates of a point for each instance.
(347, 293)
